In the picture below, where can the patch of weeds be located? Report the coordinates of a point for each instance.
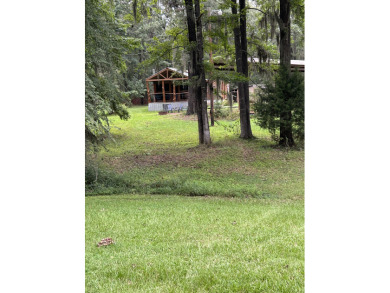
(110, 182)
(104, 182)
(232, 127)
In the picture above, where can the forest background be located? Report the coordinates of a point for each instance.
(128, 41)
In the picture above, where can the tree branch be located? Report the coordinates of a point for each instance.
(257, 10)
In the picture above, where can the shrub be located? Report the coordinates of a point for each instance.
(225, 113)
(283, 94)
(220, 111)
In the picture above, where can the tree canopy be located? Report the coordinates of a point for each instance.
(105, 49)
(127, 41)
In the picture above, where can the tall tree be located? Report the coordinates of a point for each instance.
(201, 99)
(286, 131)
(104, 67)
(240, 41)
(244, 47)
(196, 72)
(191, 108)
(285, 33)
(192, 53)
(210, 83)
(281, 102)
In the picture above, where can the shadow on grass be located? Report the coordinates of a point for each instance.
(110, 183)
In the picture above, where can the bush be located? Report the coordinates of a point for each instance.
(224, 112)
(220, 111)
(284, 94)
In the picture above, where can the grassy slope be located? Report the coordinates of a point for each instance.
(194, 244)
(160, 155)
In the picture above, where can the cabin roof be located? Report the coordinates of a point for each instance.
(185, 73)
(168, 71)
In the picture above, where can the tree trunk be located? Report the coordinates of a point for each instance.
(192, 62)
(230, 97)
(244, 109)
(286, 137)
(217, 81)
(191, 90)
(211, 102)
(202, 98)
(285, 34)
(196, 72)
(135, 10)
(244, 48)
(210, 81)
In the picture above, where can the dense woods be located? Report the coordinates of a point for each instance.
(127, 41)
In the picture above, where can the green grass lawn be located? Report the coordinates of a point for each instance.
(194, 244)
(189, 218)
(155, 154)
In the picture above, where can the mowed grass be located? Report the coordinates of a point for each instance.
(148, 133)
(240, 227)
(159, 154)
(194, 244)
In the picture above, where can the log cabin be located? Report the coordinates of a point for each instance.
(169, 86)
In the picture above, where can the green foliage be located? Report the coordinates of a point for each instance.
(230, 126)
(220, 111)
(159, 51)
(284, 94)
(103, 181)
(104, 65)
(136, 88)
(165, 37)
(298, 13)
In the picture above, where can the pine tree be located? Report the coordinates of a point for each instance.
(196, 72)
(104, 66)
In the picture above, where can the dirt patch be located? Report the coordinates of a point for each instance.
(183, 116)
(197, 157)
(190, 158)
(239, 169)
